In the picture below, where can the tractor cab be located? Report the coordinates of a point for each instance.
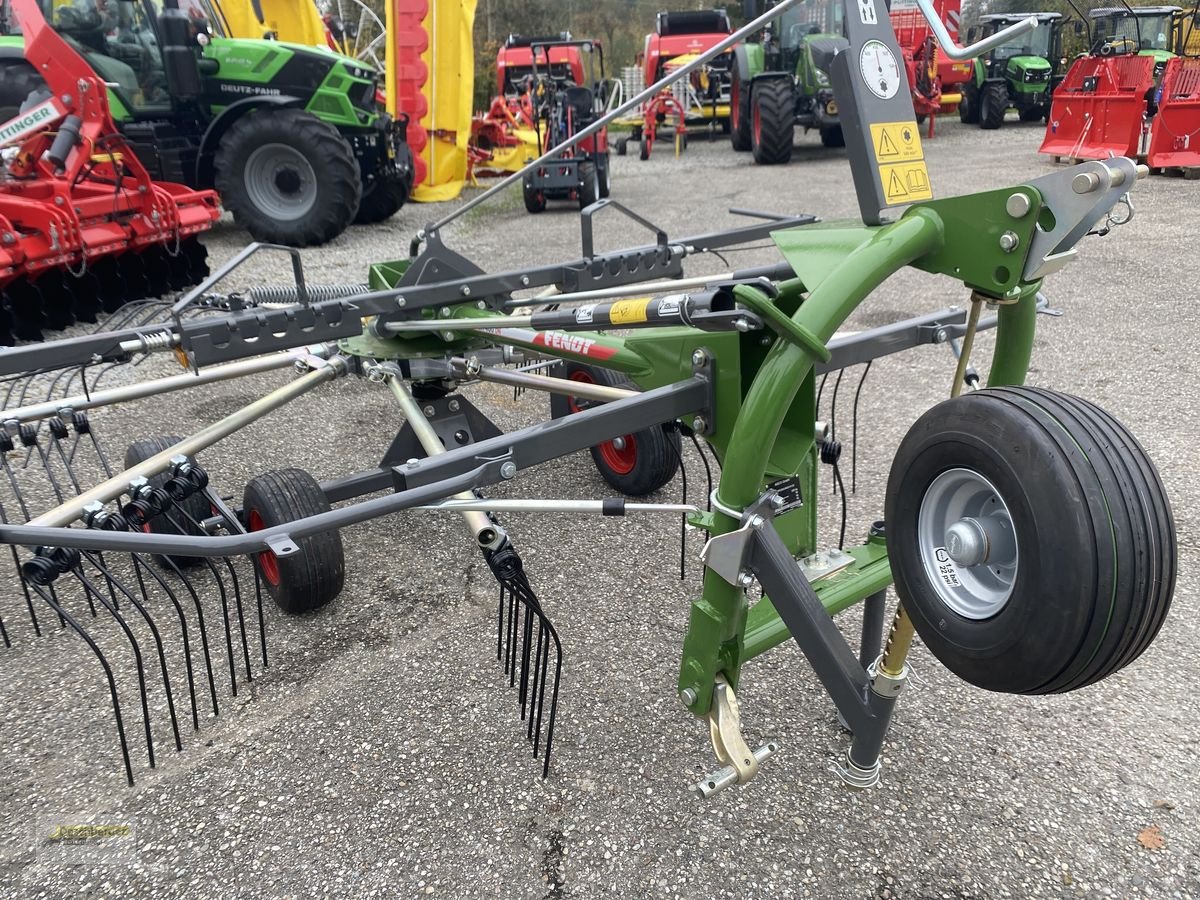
(1141, 31)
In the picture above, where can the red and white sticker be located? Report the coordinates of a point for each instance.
(31, 121)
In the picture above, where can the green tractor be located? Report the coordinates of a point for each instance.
(780, 82)
(1156, 31)
(292, 137)
(1021, 74)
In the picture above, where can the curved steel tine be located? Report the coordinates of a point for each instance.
(707, 469)
(140, 566)
(837, 384)
(137, 655)
(4, 633)
(52, 602)
(98, 562)
(187, 583)
(862, 379)
(37, 628)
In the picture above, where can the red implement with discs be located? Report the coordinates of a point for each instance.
(83, 227)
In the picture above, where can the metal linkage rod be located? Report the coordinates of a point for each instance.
(613, 506)
(598, 392)
(113, 487)
(157, 386)
(633, 102)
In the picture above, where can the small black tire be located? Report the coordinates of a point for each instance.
(773, 121)
(314, 191)
(622, 146)
(535, 200)
(636, 464)
(1092, 540)
(604, 174)
(644, 148)
(181, 518)
(739, 114)
(833, 136)
(968, 105)
(589, 184)
(18, 79)
(313, 576)
(381, 200)
(993, 104)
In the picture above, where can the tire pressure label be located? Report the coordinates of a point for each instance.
(947, 570)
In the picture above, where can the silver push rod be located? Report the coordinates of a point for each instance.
(600, 507)
(633, 102)
(481, 526)
(629, 290)
(470, 324)
(113, 487)
(153, 388)
(599, 392)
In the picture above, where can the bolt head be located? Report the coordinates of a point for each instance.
(525, 280)
(465, 290)
(401, 302)
(700, 424)
(1009, 241)
(429, 411)
(745, 579)
(941, 336)
(699, 357)
(1017, 205)
(688, 696)
(508, 470)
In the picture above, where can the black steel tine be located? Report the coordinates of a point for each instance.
(678, 451)
(187, 583)
(262, 624)
(833, 415)
(235, 527)
(98, 562)
(65, 616)
(535, 693)
(137, 655)
(16, 487)
(707, 470)
(854, 428)
(35, 444)
(37, 628)
(526, 647)
(4, 633)
(140, 566)
(500, 622)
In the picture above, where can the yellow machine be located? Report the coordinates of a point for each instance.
(293, 21)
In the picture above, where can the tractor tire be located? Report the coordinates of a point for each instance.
(604, 174)
(535, 200)
(644, 148)
(313, 576)
(636, 464)
(18, 79)
(180, 518)
(288, 177)
(1033, 114)
(622, 146)
(773, 121)
(1064, 551)
(381, 201)
(833, 137)
(739, 114)
(993, 104)
(968, 106)
(589, 184)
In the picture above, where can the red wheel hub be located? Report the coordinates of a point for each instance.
(756, 119)
(619, 454)
(267, 563)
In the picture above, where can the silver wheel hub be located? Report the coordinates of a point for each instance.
(280, 182)
(618, 443)
(967, 543)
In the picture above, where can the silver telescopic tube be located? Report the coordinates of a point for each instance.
(470, 324)
(481, 526)
(632, 102)
(627, 290)
(113, 487)
(558, 506)
(599, 392)
(157, 386)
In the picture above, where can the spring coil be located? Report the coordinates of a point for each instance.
(156, 340)
(281, 295)
(831, 451)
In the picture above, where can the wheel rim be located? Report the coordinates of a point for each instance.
(967, 543)
(756, 120)
(280, 182)
(735, 105)
(619, 454)
(267, 563)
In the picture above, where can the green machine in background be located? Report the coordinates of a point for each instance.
(292, 137)
(1020, 74)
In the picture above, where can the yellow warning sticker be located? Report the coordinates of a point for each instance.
(896, 142)
(905, 182)
(627, 312)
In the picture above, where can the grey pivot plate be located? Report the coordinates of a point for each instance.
(875, 108)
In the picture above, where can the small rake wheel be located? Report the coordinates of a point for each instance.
(1030, 538)
(183, 518)
(535, 200)
(313, 576)
(635, 464)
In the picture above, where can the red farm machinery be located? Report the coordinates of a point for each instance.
(937, 82)
(84, 229)
(1135, 93)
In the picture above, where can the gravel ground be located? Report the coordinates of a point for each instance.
(381, 756)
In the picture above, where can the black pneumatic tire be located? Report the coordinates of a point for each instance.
(1033, 114)
(1095, 540)
(636, 464)
(968, 106)
(604, 174)
(833, 137)
(739, 114)
(381, 200)
(312, 577)
(535, 200)
(296, 206)
(773, 121)
(178, 519)
(993, 104)
(18, 79)
(589, 184)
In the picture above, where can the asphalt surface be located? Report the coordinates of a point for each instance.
(381, 753)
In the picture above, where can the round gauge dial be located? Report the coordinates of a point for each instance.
(879, 69)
